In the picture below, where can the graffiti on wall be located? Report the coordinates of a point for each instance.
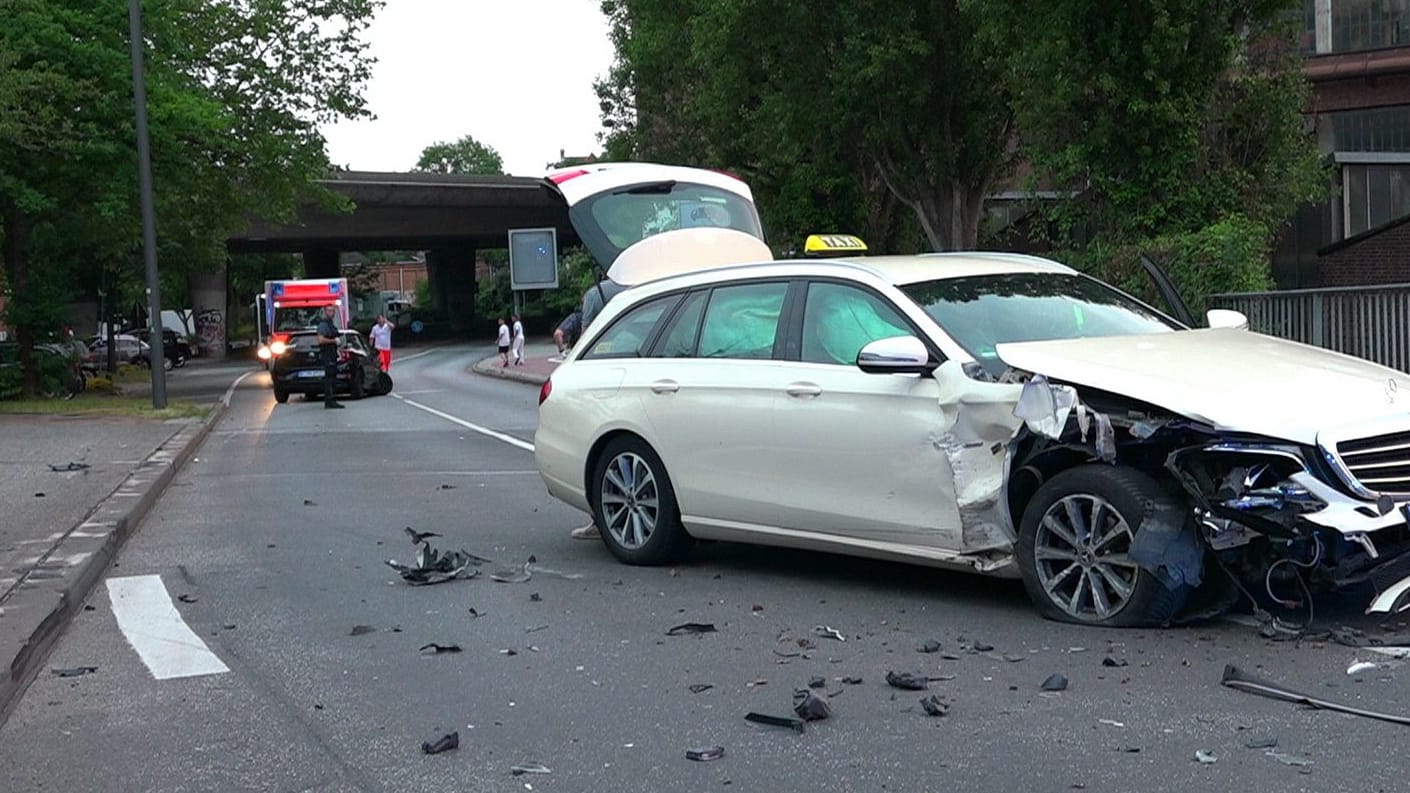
(210, 332)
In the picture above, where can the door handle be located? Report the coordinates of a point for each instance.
(803, 389)
(665, 387)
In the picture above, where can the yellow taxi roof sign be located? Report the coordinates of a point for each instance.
(829, 244)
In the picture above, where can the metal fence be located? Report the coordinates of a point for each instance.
(1368, 322)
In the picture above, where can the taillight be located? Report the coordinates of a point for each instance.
(559, 177)
(545, 390)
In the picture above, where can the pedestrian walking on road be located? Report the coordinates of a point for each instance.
(503, 342)
(382, 341)
(328, 355)
(517, 344)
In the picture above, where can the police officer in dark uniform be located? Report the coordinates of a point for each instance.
(328, 355)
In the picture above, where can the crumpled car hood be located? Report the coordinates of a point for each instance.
(1232, 379)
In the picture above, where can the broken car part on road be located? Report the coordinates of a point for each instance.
(1237, 679)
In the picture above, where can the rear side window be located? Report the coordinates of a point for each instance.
(630, 334)
(839, 320)
(742, 321)
(678, 341)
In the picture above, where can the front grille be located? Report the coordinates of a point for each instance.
(1380, 463)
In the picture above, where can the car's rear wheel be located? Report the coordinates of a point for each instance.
(635, 506)
(359, 386)
(281, 396)
(384, 383)
(1074, 549)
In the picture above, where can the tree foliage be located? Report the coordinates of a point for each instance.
(466, 155)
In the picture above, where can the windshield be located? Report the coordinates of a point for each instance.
(983, 311)
(626, 216)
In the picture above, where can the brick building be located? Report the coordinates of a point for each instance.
(1358, 61)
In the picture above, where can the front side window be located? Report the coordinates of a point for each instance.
(742, 321)
(839, 320)
(678, 340)
(983, 311)
(630, 334)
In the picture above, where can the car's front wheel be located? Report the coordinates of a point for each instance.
(635, 505)
(1074, 546)
(384, 383)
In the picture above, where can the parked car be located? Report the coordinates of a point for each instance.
(993, 413)
(175, 348)
(130, 350)
(298, 370)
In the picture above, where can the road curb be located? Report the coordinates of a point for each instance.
(64, 577)
(491, 368)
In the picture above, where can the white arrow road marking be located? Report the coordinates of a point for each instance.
(499, 436)
(152, 625)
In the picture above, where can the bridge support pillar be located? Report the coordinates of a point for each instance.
(321, 263)
(451, 272)
(209, 306)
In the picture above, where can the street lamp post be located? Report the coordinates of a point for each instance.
(149, 224)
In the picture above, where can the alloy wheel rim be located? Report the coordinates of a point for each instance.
(1082, 555)
(630, 500)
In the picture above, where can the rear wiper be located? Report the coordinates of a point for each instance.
(654, 188)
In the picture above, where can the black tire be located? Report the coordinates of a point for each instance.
(359, 388)
(281, 396)
(1126, 493)
(622, 524)
(384, 383)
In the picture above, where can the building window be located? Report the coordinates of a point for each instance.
(1381, 129)
(1374, 194)
(1369, 24)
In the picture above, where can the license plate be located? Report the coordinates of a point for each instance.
(310, 373)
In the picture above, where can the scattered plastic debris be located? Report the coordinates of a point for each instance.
(1205, 758)
(931, 646)
(696, 688)
(69, 467)
(1357, 667)
(418, 537)
(445, 486)
(187, 598)
(756, 683)
(935, 706)
(776, 721)
(521, 577)
(434, 567)
(442, 744)
(1111, 722)
(908, 681)
(308, 502)
(691, 627)
(809, 706)
(360, 630)
(1014, 658)
(39, 495)
(509, 651)
(1288, 759)
(981, 647)
(851, 680)
(1263, 742)
(530, 768)
(705, 755)
(817, 682)
(75, 671)
(535, 598)
(1114, 662)
(437, 649)
(535, 628)
(1240, 681)
(1055, 682)
(473, 613)
(828, 632)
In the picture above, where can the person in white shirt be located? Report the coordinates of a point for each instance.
(503, 342)
(517, 345)
(382, 341)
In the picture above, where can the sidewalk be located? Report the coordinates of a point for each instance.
(540, 359)
(62, 528)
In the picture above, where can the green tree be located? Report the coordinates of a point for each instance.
(466, 155)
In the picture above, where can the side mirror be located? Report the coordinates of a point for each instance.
(1226, 318)
(896, 355)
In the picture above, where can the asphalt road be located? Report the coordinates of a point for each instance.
(276, 538)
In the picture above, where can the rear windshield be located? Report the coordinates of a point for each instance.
(304, 341)
(631, 214)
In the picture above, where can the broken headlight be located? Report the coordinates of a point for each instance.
(1265, 485)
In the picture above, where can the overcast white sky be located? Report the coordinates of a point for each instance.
(515, 74)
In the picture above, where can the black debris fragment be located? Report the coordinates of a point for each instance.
(1238, 680)
(776, 721)
(509, 651)
(437, 649)
(705, 755)
(908, 681)
(981, 647)
(691, 627)
(1014, 658)
(1114, 662)
(1265, 742)
(89, 607)
(229, 626)
(418, 537)
(851, 680)
(308, 502)
(75, 671)
(473, 613)
(536, 597)
(186, 598)
(530, 768)
(809, 706)
(931, 646)
(434, 567)
(359, 630)
(935, 706)
(817, 682)
(1055, 682)
(442, 744)
(535, 628)
(445, 486)
(69, 467)
(696, 688)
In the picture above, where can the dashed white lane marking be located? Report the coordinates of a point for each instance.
(152, 625)
(486, 431)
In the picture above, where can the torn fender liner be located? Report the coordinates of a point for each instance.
(1239, 680)
(1167, 546)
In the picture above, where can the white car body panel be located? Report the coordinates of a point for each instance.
(685, 251)
(1231, 379)
(600, 177)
